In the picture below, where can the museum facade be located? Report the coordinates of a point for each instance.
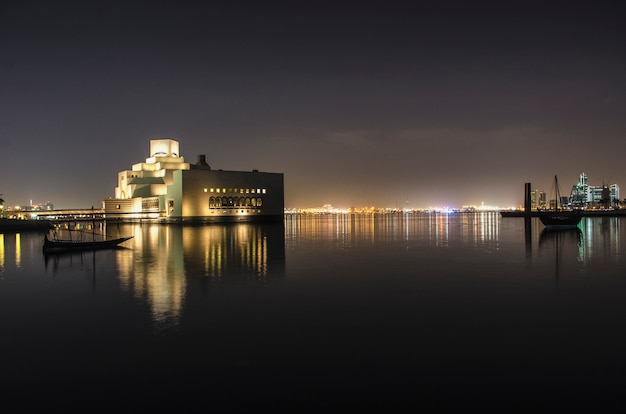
(166, 188)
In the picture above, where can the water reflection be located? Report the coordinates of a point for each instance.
(596, 239)
(11, 248)
(61, 262)
(603, 237)
(163, 266)
(560, 242)
(559, 236)
(439, 228)
(153, 270)
(165, 262)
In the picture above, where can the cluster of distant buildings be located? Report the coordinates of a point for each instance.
(165, 186)
(47, 206)
(582, 195)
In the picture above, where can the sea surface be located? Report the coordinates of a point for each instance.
(321, 313)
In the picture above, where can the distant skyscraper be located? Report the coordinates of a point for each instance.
(584, 195)
(538, 200)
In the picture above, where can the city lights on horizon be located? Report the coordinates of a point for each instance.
(329, 209)
(326, 208)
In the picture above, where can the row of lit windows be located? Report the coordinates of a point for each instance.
(235, 202)
(150, 204)
(225, 190)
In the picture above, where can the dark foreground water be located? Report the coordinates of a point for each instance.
(326, 313)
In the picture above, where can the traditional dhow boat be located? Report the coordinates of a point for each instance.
(562, 218)
(559, 217)
(86, 240)
(54, 245)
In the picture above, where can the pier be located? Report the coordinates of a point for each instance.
(87, 214)
(45, 219)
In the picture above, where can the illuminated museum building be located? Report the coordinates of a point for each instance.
(167, 188)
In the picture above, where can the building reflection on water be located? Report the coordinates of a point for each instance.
(154, 270)
(603, 236)
(11, 246)
(165, 263)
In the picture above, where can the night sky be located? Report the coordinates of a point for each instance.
(387, 104)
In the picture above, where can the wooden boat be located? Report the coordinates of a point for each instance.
(63, 245)
(563, 218)
(559, 217)
(86, 241)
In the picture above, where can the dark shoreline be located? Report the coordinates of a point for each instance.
(586, 213)
(14, 225)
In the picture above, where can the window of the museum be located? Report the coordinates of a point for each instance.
(237, 202)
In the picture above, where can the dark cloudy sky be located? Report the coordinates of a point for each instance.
(384, 103)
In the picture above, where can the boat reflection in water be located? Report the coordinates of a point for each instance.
(565, 240)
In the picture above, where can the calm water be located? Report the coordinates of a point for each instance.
(326, 313)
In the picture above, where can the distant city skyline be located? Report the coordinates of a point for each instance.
(565, 191)
(375, 104)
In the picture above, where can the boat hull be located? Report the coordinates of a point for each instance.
(566, 218)
(53, 246)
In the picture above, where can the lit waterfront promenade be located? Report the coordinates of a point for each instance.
(69, 214)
